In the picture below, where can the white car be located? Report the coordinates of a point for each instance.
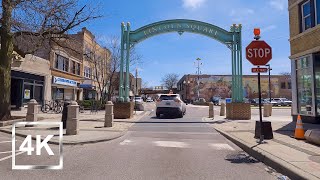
(149, 99)
(170, 104)
(138, 99)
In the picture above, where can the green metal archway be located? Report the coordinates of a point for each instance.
(232, 39)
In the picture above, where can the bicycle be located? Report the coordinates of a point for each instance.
(55, 106)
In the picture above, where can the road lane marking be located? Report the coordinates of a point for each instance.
(6, 141)
(126, 142)
(220, 146)
(8, 157)
(175, 144)
(5, 152)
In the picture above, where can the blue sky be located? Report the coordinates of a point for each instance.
(172, 53)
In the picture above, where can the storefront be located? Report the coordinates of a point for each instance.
(26, 86)
(65, 89)
(306, 87)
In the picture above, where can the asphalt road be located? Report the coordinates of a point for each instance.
(165, 148)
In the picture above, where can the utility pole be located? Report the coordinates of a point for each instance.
(198, 80)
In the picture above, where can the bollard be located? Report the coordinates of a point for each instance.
(265, 110)
(222, 109)
(108, 118)
(73, 119)
(270, 109)
(32, 112)
(211, 110)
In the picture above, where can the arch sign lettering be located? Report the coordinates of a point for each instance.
(232, 39)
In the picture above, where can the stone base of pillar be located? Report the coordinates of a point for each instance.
(123, 110)
(72, 127)
(238, 111)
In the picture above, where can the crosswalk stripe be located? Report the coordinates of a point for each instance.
(219, 146)
(125, 142)
(176, 144)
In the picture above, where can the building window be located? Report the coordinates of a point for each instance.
(75, 67)
(283, 85)
(289, 85)
(62, 63)
(317, 5)
(306, 15)
(304, 85)
(87, 72)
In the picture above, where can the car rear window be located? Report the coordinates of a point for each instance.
(168, 97)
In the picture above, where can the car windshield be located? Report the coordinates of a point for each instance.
(138, 98)
(168, 97)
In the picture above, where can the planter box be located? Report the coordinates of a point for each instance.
(238, 111)
(123, 110)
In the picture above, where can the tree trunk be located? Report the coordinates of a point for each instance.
(6, 52)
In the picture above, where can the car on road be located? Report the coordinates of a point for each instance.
(149, 99)
(170, 104)
(138, 99)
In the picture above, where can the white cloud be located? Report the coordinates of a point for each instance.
(278, 4)
(193, 4)
(268, 28)
(241, 12)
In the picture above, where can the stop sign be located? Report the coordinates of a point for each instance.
(259, 53)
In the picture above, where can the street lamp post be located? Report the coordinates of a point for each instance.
(269, 69)
(186, 84)
(198, 81)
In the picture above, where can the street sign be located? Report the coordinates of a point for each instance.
(259, 53)
(259, 70)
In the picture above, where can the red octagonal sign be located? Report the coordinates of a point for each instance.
(259, 53)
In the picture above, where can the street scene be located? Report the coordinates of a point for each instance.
(181, 89)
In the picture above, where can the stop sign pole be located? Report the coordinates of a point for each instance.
(259, 53)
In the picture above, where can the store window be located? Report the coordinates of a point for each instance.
(317, 80)
(304, 85)
(62, 63)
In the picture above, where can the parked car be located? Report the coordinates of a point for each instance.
(170, 104)
(216, 100)
(255, 101)
(273, 102)
(282, 101)
(138, 99)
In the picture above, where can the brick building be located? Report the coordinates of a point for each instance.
(304, 17)
(220, 85)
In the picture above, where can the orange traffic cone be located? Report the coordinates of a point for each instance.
(299, 132)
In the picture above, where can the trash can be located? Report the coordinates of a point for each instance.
(228, 100)
(65, 114)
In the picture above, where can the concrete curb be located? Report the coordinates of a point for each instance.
(279, 164)
(83, 142)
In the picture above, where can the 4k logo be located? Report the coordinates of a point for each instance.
(30, 147)
(26, 145)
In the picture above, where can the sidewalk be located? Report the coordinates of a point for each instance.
(294, 158)
(91, 128)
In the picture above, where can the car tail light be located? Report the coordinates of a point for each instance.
(177, 100)
(158, 100)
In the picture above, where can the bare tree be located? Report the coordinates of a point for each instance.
(170, 80)
(38, 21)
(114, 64)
